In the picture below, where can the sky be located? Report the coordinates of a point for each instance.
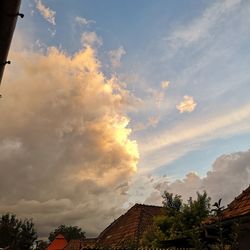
(110, 103)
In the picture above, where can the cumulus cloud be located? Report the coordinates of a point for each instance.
(65, 149)
(187, 105)
(116, 56)
(91, 39)
(83, 21)
(230, 174)
(48, 14)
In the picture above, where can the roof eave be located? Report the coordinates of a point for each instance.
(8, 17)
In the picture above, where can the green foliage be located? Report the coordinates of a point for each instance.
(15, 233)
(180, 220)
(195, 211)
(173, 204)
(226, 235)
(234, 235)
(69, 232)
(218, 213)
(184, 220)
(41, 245)
(152, 237)
(217, 208)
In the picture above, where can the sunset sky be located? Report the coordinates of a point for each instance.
(109, 103)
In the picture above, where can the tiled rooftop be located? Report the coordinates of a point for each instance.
(129, 227)
(73, 245)
(89, 243)
(58, 243)
(240, 206)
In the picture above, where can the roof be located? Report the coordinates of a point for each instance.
(240, 206)
(127, 230)
(89, 243)
(73, 245)
(8, 17)
(59, 243)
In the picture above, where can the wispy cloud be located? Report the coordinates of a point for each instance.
(165, 84)
(48, 14)
(52, 32)
(152, 121)
(91, 39)
(200, 27)
(116, 56)
(187, 105)
(231, 123)
(186, 137)
(158, 96)
(83, 21)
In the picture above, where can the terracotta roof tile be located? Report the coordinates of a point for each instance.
(73, 245)
(239, 206)
(58, 243)
(129, 227)
(89, 243)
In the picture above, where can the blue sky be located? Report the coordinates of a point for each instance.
(185, 67)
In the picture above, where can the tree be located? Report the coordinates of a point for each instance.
(69, 232)
(181, 220)
(227, 235)
(195, 211)
(171, 223)
(182, 217)
(172, 204)
(15, 233)
(152, 237)
(41, 245)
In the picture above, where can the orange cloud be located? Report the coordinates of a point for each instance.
(64, 133)
(165, 84)
(187, 105)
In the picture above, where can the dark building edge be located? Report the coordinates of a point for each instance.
(9, 12)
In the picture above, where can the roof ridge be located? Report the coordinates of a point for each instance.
(115, 221)
(108, 227)
(145, 205)
(242, 194)
(240, 206)
(128, 228)
(59, 236)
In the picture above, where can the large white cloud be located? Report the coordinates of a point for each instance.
(65, 152)
(230, 175)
